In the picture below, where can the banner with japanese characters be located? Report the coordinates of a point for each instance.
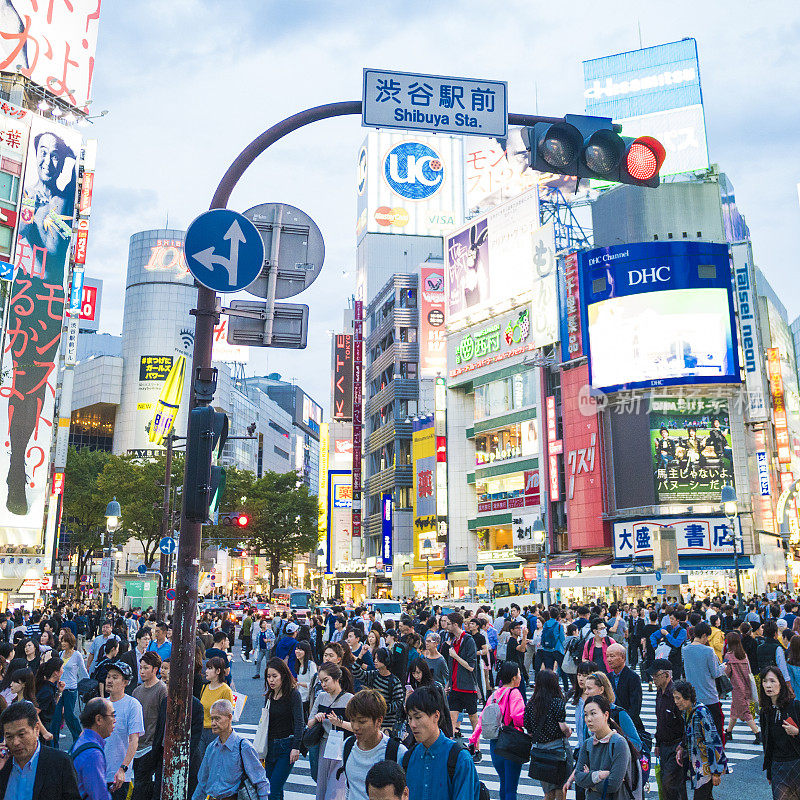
(694, 536)
(35, 321)
(423, 453)
(53, 44)
(432, 335)
(690, 445)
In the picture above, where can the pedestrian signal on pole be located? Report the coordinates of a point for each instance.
(592, 147)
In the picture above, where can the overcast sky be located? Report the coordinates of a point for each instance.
(188, 83)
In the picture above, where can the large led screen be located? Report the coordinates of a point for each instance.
(659, 314)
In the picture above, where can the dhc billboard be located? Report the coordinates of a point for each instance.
(658, 314)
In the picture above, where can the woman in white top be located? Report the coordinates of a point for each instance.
(306, 672)
(74, 671)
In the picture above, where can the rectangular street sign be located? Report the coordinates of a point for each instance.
(436, 103)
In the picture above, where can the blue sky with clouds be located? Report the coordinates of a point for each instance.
(188, 83)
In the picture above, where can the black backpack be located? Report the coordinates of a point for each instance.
(392, 748)
(452, 757)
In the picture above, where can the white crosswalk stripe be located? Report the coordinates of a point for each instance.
(301, 786)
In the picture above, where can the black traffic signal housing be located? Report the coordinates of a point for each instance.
(205, 483)
(234, 519)
(592, 147)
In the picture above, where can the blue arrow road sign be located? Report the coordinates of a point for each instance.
(141, 569)
(6, 271)
(167, 545)
(658, 574)
(224, 250)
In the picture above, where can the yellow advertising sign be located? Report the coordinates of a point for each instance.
(423, 453)
(168, 402)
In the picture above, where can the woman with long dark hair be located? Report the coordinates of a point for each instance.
(74, 671)
(546, 722)
(48, 690)
(793, 664)
(738, 669)
(780, 716)
(286, 722)
(306, 673)
(23, 687)
(509, 699)
(330, 710)
(334, 654)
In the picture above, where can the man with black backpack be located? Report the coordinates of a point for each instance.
(437, 766)
(366, 712)
(88, 752)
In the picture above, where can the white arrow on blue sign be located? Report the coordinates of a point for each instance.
(167, 546)
(224, 250)
(658, 574)
(141, 569)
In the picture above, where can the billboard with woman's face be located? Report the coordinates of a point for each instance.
(33, 335)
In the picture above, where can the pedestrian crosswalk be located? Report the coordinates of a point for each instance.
(301, 786)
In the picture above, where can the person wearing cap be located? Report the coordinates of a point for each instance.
(669, 732)
(286, 646)
(121, 746)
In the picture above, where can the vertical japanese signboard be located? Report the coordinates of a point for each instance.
(33, 335)
(778, 406)
(53, 44)
(358, 411)
(571, 332)
(554, 447)
(583, 468)
(386, 531)
(432, 339)
(343, 377)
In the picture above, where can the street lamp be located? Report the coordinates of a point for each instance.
(731, 510)
(540, 537)
(113, 513)
(427, 546)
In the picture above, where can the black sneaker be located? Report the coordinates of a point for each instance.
(457, 734)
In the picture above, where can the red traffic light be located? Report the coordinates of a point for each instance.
(644, 158)
(242, 520)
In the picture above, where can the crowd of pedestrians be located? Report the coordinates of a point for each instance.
(398, 708)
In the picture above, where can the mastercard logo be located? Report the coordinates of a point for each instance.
(397, 217)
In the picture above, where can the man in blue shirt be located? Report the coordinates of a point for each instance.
(426, 765)
(675, 637)
(25, 765)
(161, 645)
(286, 646)
(227, 759)
(88, 752)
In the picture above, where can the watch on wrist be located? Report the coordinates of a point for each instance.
(124, 768)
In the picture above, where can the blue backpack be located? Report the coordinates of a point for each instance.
(549, 638)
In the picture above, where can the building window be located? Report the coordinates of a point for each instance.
(281, 453)
(408, 335)
(408, 369)
(5, 240)
(501, 487)
(282, 431)
(408, 298)
(511, 441)
(9, 185)
(524, 389)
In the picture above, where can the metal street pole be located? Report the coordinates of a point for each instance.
(163, 565)
(739, 604)
(107, 549)
(184, 621)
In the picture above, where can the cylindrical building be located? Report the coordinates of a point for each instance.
(157, 329)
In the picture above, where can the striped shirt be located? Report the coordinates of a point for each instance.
(387, 685)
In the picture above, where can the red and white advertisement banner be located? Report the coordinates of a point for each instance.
(358, 411)
(583, 464)
(432, 338)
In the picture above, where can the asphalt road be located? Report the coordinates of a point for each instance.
(745, 782)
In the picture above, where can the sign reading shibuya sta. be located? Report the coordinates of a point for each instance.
(415, 102)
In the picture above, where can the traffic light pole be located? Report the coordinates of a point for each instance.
(163, 564)
(184, 621)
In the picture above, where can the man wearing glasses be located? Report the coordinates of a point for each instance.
(669, 732)
(88, 753)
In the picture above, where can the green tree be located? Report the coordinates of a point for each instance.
(85, 504)
(283, 517)
(139, 487)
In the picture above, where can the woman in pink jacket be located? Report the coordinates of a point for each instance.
(509, 698)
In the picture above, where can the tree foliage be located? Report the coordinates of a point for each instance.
(283, 517)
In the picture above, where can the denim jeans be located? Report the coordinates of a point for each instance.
(262, 656)
(277, 766)
(313, 761)
(508, 771)
(66, 708)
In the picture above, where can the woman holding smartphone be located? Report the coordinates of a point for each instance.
(780, 713)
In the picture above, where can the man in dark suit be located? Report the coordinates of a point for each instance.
(29, 771)
(627, 684)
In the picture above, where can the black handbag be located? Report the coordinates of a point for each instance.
(549, 766)
(313, 736)
(513, 744)
(724, 686)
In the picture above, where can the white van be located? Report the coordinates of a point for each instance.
(387, 609)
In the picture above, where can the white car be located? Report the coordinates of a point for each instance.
(387, 609)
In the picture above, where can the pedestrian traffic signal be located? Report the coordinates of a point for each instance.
(205, 484)
(592, 147)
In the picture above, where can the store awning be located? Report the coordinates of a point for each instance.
(419, 572)
(496, 564)
(687, 563)
(570, 562)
